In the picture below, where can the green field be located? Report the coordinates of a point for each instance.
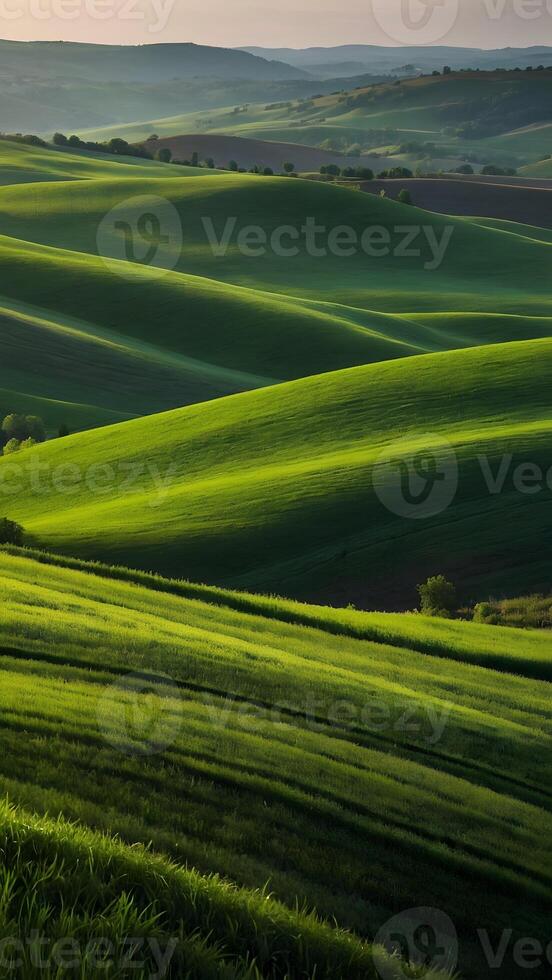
(210, 737)
(112, 342)
(280, 489)
(232, 696)
(25, 164)
(510, 111)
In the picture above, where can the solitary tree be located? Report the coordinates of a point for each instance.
(15, 427)
(35, 428)
(164, 155)
(118, 146)
(289, 168)
(437, 597)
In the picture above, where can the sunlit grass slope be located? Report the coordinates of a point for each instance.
(82, 375)
(448, 264)
(281, 488)
(360, 776)
(22, 164)
(188, 925)
(119, 338)
(427, 109)
(122, 338)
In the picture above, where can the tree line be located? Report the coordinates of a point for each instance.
(22, 432)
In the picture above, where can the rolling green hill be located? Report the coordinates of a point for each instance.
(281, 392)
(23, 164)
(285, 488)
(256, 771)
(460, 266)
(488, 117)
(104, 336)
(541, 169)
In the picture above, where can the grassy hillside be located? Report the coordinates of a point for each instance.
(478, 269)
(55, 85)
(541, 169)
(23, 164)
(282, 488)
(273, 782)
(80, 374)
(109, 890)
(106, 336)
(489, 117)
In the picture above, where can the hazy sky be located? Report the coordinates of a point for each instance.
(279, 23)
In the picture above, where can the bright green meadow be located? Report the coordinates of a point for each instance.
(211, 737)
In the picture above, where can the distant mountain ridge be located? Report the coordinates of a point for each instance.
(375, 58)
(140, 63)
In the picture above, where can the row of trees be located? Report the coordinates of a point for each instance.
(115, 146)
(23, 431)
(364, 173)
(164, 154)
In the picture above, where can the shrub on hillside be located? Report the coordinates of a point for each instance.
(437, 597)
(12, 446)
(28, 443)
(405, 197)
(484, 613)
(10, 532)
